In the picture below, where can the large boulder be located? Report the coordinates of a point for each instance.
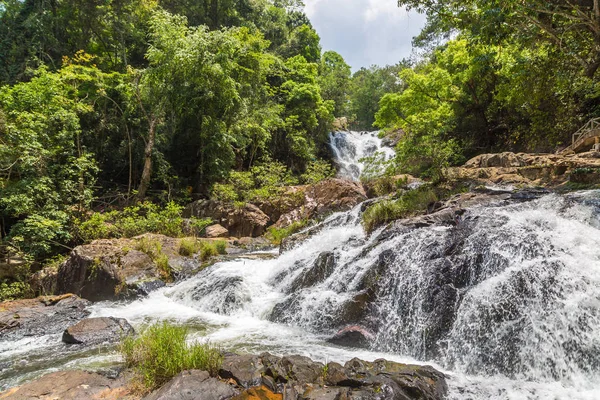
(321, 269)
(216, 231)
(111, 269)
(352, 336)
(331, 195)
(92, 331)
(248, 220)
(245, 370)
(193, 385)
(101, 271)
(41, 316)
(70, 385)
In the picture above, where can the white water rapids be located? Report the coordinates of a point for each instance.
(507, 303)
(350, 148)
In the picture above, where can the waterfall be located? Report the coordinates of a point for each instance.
(349, 149)
(507, 302)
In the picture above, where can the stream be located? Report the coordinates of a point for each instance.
(506, 303)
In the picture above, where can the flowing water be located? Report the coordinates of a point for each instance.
(507, 302)
(350, 148)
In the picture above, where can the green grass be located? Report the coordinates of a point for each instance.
(410, 203)
(188, 247)
(162, 351)
(221, 246)
(208, 250)
(153, 248)
(276, 235)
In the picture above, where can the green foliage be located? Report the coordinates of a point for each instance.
(188, 247)
(276, 235)
(161, 351)
(208, 250)
(153, 248)
(409, 203)
(317, 171)
(14, 290)
(221, 246)
(136, 220)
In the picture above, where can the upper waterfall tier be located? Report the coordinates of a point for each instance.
(350, 148)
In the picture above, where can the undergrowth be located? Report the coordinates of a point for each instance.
(161, 351)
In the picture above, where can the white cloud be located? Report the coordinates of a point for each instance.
(365, 32)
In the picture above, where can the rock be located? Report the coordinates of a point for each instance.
(321, 269)
(70, 385)
(352, 336)
(248, 220)
(216, 231)
(193, 385)
(299, 369)
(328, 196)
(113, 269)
(340, 124)
(325, 393)
(246, 370)
(41, 316)
(97, 330)
(258, 393)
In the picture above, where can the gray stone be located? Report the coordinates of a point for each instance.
(97, 330)
(193, 385)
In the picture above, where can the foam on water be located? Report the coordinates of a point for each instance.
(349, 148)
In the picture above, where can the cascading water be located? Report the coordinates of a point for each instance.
(349, 148)
(507, 302)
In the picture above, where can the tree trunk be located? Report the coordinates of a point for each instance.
(147, 172)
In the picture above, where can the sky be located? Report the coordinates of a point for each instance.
(365, 32)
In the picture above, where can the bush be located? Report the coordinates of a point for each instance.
(276, 235)
(221, 246)
(408, 204)
(189, 247)
(162, 351)
(133, 221)
(153, 248)
(381, 213)
(208, 250)
(317, 171)
(14, 291)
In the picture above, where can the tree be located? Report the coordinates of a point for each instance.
(334, 79)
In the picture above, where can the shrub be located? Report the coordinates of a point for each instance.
(276, 235)
(221, 246)
(208, 250)
(382, 212)
(152, 247)
(96, 227)
(408, 204)
(198, 225)
(14, 290)
(189, 247)
(162, 351)
(317, 171)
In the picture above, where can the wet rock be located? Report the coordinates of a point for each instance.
(336, 375)
(352, 336)
(321, 269)
(42, 316)
(216, 231)
(97, 330)
(246, 370)
(421, 382)
(248, 220)
(300, 369)
(193, 385)
(325, 393)
(146, 287)
(70, 385)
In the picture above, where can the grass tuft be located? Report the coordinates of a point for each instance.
(162, 351)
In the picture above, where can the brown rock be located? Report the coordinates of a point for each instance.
(352, 336)
(248, 220)
(69, 385)
(216, 231)
(258, 393)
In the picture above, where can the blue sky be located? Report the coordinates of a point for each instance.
(365, 32)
